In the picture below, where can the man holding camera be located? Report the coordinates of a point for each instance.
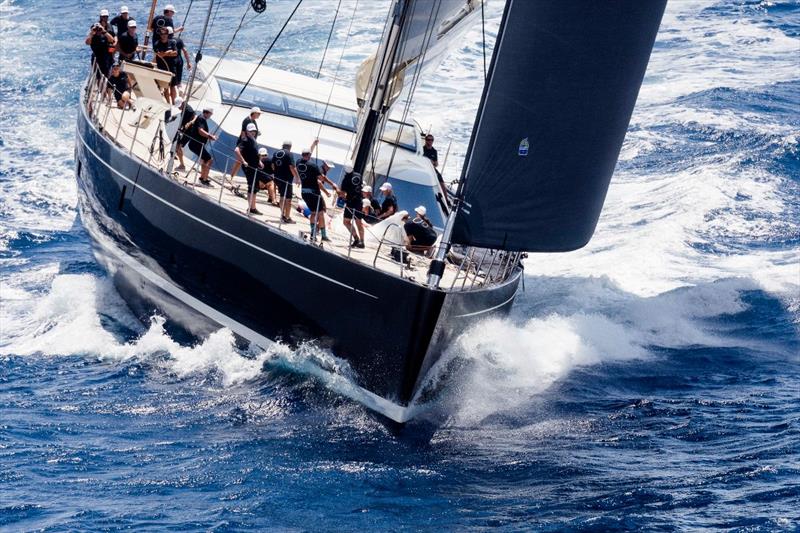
(102, 40)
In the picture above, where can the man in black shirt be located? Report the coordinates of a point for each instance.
(118, 86)
(128, 42)
(369, 206)
(430, 152)
(182, 59)
(266, 179)
(285, 174)
(255, 113)
(312, 181)
(350, 190)
(166, 50)
(389, 204)
(200, 135)
(184, 131)
(165, 20)
(420, 235)
(247, 156)
(120, 22)
(101, 39)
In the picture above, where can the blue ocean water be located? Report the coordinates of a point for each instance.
(650, 381)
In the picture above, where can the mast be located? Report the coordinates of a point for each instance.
(374, 109)
(143, 53)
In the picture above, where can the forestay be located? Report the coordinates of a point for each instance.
(562, 86)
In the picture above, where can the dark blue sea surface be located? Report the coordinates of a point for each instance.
(650, 381)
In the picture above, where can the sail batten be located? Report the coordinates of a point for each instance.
(562, 85)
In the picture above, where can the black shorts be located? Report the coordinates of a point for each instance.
(183, 139)
(352, 208)
(369, 219)
(250, 175)
(285, 188)
(177, 75)
(313, 200)
(200, 150)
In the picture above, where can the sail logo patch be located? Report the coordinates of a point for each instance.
(523, 147)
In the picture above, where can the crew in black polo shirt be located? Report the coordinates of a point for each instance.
(128, 42)
(247, 154)
(285, 174)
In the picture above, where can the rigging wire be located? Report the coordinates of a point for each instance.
(330, 34)
(186, 16)
(336, 75)
(483, 36)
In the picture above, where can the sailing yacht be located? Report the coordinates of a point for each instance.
(559, 93)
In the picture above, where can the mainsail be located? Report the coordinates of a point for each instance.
(430, 28)
(562, 86)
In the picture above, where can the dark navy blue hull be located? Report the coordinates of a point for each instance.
(205, 265)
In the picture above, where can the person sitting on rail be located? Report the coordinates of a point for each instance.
(369, 206)
(199, 136)
(102, 40)
(118, 87)
(247, 156)
(266, 177)
(285, 174)
(166, 52)
(420, 235)
(389, 204)
(188, 116)
(312, 181)
(120, 22)
(128, 42)
(255, 113)
(350, 190)
(165, 20)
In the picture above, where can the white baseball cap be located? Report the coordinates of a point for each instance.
(104, 12)
(170, 7)
(386, 186)
(348, 168)
(123, 9)
(255, 109)
(420, 210)
(131, 23)
(366, 188)
(251, 127)
(287, 143)
(208, 109)
(262, 151)
(365, 202)
(170, 31)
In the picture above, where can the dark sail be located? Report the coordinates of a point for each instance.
(563, 81)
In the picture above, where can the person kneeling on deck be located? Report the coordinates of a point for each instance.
(313, 180)
(369, 206)
(255, 112)
(350, 190)
(285, 174)
(266, 177)
(247, 156)
(118, 87)
(420, 235)
(197, 144)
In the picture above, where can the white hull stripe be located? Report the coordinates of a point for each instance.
(222, 231)
(380, 404)
(482, 311)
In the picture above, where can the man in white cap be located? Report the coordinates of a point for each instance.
(166, 52)
(128, 42)
(255, 113)
(165, 20)
(389, 204)
(285, 174)
(120, 22)
(369, 206)
(420, 235)
(266, 179)
(101, 39)
(247, 156)
(200, 135)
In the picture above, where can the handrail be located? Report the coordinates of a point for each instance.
(380, 244)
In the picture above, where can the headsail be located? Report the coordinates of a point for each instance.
(562, 86)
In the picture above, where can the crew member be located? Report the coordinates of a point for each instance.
(255, 113)
(165, 20)
(102, 40)
(185, 130)
(247, 156)
(430, 152)
(118, 87)
(120, 22)
(350, 190)
(166, 51)
(389, 204)
(181, 60)
(420, 235)
(369, 206)
(128, 42)
(266, 179)
(312, 181)
(197, 144)
(285, 174)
